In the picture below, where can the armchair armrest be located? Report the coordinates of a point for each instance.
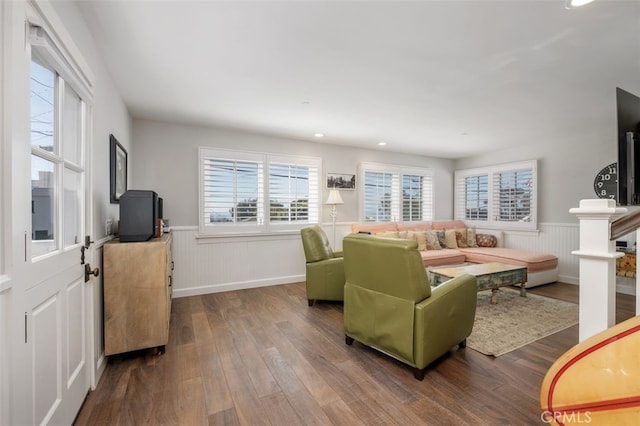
(444, 319)
(325, 279)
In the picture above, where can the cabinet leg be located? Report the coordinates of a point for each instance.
(160, 350)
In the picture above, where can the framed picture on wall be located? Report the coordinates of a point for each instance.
(341, 181)
(118, 167)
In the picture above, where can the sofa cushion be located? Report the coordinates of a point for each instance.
(471, 237)
(442, 257)
(448, 224)
(387, 234)
(415, 226)
(534, 261)
(432, 241)
(420, 237)
(450, 238)
(374, 228)
(461, 238)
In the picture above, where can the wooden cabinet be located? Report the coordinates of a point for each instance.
(137, 294)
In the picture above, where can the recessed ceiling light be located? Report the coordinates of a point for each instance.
(382, 143)
(570, 4)
(319, 135)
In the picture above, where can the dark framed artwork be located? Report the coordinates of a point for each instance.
(118, 167)
(341, 180)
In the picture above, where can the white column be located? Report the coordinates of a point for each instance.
(597, 255)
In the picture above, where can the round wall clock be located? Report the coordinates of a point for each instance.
(606, 182)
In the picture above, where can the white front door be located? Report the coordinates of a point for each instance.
(52, 366)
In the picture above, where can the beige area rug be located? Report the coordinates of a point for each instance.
(517, 321)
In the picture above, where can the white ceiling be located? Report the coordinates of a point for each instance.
(447, 79)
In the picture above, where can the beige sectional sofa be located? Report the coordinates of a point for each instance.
(480, 247)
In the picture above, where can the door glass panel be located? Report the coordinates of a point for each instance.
(71, 126)
(71, 208)
(43, 206)
(42, 107)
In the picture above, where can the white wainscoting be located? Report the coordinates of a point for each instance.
(211, 265)
(559, 239)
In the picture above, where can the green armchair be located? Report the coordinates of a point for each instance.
(390, 306)
(325, 268)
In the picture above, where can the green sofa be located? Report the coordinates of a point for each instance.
(390, 306)
(325, 268)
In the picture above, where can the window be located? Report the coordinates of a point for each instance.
(59, 115)
(393, 193)
(499, 196)
(290, 188)
(246, 192)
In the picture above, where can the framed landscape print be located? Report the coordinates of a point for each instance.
(118, 167)
(341, 180)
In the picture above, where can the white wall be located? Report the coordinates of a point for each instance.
(568, 164)
(167, 162)
(110, 115)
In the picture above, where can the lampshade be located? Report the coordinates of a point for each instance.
(334, 197)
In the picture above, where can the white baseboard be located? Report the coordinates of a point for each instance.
(197, 290)
(569, 280)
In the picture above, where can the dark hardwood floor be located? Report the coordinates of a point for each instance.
(262, 356)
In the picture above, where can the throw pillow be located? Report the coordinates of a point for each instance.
(388, 234)
(403, 234)
(461, 238)
(432, 240)
(420, 237)
(486, 240)
(471, 237)
(441, 240)
(450, 238)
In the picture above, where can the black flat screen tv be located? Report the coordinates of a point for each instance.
(139, 215)
(628, 110)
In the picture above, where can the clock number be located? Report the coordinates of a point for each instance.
(605, 183)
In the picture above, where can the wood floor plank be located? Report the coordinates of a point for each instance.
(248, 405)
(225, 418)
(260, 375)
(279, 410)
(217, 394)
(201, 329)
(340, 414)
(263, 356)
(314, 382)
(191, 403)
(301, 400)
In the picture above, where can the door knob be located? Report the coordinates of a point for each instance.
(88, 271)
